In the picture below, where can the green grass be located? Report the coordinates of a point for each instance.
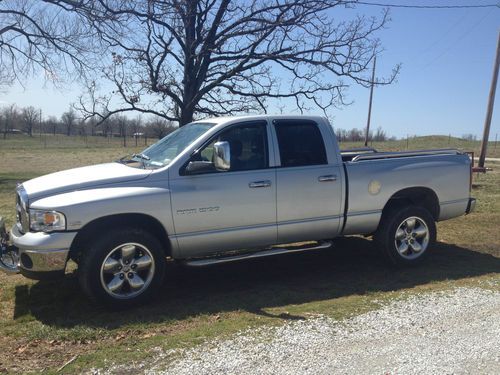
(44, 324)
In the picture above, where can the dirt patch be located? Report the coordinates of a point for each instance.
(21, 356)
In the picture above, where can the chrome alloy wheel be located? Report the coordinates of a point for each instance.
(412, 237)
(127, 270)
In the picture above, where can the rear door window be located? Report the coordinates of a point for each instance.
(300, 143)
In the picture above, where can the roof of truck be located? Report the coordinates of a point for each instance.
(220, 120)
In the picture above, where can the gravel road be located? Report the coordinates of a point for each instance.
(448, 332)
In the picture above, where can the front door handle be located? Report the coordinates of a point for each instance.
(259, 184)
(329, 177)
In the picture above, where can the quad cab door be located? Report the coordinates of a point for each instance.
(309, 191)
(216, 211)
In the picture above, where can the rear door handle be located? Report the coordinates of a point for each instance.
(259, 184)
(329, 177)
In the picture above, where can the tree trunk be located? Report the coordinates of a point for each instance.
(186, 116)
(187, 109)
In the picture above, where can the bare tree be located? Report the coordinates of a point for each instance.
(136, 127)
(355, 135)
(9, 116)
(380, 135)
(107, 127)
(30, 117)
(123, 124)
(181, 59)
(52, 36)
(68, 119)
(159, 127)
(51, 124)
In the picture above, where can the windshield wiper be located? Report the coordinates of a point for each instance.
(143, 159)
(141, 156)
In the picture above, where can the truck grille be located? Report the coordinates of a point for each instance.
(22, 210)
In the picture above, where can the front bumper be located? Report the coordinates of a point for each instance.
(41, 255)
(9, 260)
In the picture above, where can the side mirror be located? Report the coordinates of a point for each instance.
(222, 156)
(195, 167)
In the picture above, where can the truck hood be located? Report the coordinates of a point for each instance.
(82, 178)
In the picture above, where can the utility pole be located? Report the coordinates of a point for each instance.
(40, 123)
(489, 111)
(371, 99)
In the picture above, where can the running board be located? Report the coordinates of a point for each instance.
(260, 254)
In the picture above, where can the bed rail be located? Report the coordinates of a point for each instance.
(405, 154)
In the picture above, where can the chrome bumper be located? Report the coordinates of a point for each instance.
(40, 254)
(9, 257)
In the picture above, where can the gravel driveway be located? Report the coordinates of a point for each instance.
(456, 331)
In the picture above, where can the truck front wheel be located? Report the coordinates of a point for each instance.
(405, 234)
(122, 268)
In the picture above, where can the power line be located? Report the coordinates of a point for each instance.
(424, 6)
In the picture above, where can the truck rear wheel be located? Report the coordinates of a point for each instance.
(405, 234)
(122, 268)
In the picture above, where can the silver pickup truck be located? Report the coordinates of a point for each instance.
(229, 189)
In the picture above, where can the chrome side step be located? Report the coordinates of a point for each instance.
(259, 254)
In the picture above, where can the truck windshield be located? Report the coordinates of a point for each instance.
(165, 150)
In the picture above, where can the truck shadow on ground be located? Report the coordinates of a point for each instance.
(352, 267)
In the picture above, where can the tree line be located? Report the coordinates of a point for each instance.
(30, 121)
(358, 135)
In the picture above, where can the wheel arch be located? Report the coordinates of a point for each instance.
(136, 220)
(418, 196)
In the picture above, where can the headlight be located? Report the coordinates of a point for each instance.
(46, 221)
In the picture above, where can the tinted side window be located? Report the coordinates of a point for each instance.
(300, 143)
(248, 147)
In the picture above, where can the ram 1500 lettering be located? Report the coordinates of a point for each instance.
(228, 189)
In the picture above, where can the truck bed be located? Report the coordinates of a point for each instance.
(373, 178)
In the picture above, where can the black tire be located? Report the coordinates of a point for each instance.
(395, 218)
(92, 276)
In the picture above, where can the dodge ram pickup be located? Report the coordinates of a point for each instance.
(229, 189)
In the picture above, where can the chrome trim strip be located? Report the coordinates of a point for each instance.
(392, 155)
